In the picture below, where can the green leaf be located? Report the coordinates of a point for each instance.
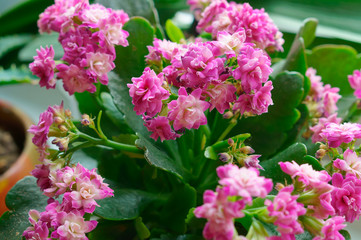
(175, 211)
(27, 53)
(269, 130)
(25, 195)
(126, 204)
(308, 31)
(173, 32)
(15, 75)
(211, 152)
(9, 43)
(143, 8)
(333, 63)
(296, 152)
(22, 15)
(345, 234)
(159, 158)
(142, 230)
(130, 61)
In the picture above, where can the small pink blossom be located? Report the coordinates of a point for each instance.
(346, 196)
(41, 130)
(43, 67)
(305, 173)
(329, 99)
(41, 172)
(147, 93)
(39, 231)
(199, 66)
(188, 110)
(197, 6)
(316, 84)
(355, 82)
(256, 103)
(285, 210)
(164, 49)
(244, 182)
(331, 228)
(322, 123)
(336, 134)
(99, 65)
(75, 79)
(230, 44)
(253, 68)
(351, 163)
(221, 96)
(160, 128)
(72, 226)
(219, 212)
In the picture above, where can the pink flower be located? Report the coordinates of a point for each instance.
(198, 6)
(188, 110)
(331, 228)
(200, 67)
(230, 44)
(39, 231)
(256, 103)
(41, 172)
(346, 196)
(43, 67)
(160, 128)
(329, 98)
(351, 163)
(316, 84)
(72, 226)
(41, 130)
(253, 68)
(75, 79)
(355, 82)
(336, 134)
(285, 210)
(164, 49)
(221, 96)
(219, 212)
(99, 65)
(147, 93)
(305, 173)
(244, 182)
(322, 123)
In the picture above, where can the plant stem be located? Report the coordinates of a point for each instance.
(227, 130)
(110, 143)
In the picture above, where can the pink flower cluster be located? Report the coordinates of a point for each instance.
(322, 99)
(220, 208)
(231, 17)
(64, 221)
(336, 134)
(87, 33)
(227, 74)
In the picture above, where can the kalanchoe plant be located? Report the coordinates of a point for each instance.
(200, 137)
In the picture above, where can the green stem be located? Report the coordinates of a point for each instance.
(110, 143)
(227, 130)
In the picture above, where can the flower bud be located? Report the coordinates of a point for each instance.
(320, 153)
(228, 115)
(58, 120)
(62, 143)
(247, 150)
(230, 142)
(224, 157)
(63, 128)
(85, 120)
(67, 113)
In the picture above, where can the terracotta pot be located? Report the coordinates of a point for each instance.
(16, 122)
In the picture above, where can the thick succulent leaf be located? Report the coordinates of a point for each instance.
(175, 211)
(15, 75)
(130, 61)
(125, 205)
(269, 130)
(308, 31)
(9, 43)
(296, 152)
(173, 32)
(21, 15)
(142, 8)
(345, 234)
(25, 195)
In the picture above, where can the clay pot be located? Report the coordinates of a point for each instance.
(16, 123)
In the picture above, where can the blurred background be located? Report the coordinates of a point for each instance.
(339, 23)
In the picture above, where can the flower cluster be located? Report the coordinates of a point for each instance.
(227, 75)
(80, 188)
(88, 34)
(217, 16)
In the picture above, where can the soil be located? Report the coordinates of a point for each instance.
(9, 151)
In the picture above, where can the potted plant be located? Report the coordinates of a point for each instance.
(215, 136)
